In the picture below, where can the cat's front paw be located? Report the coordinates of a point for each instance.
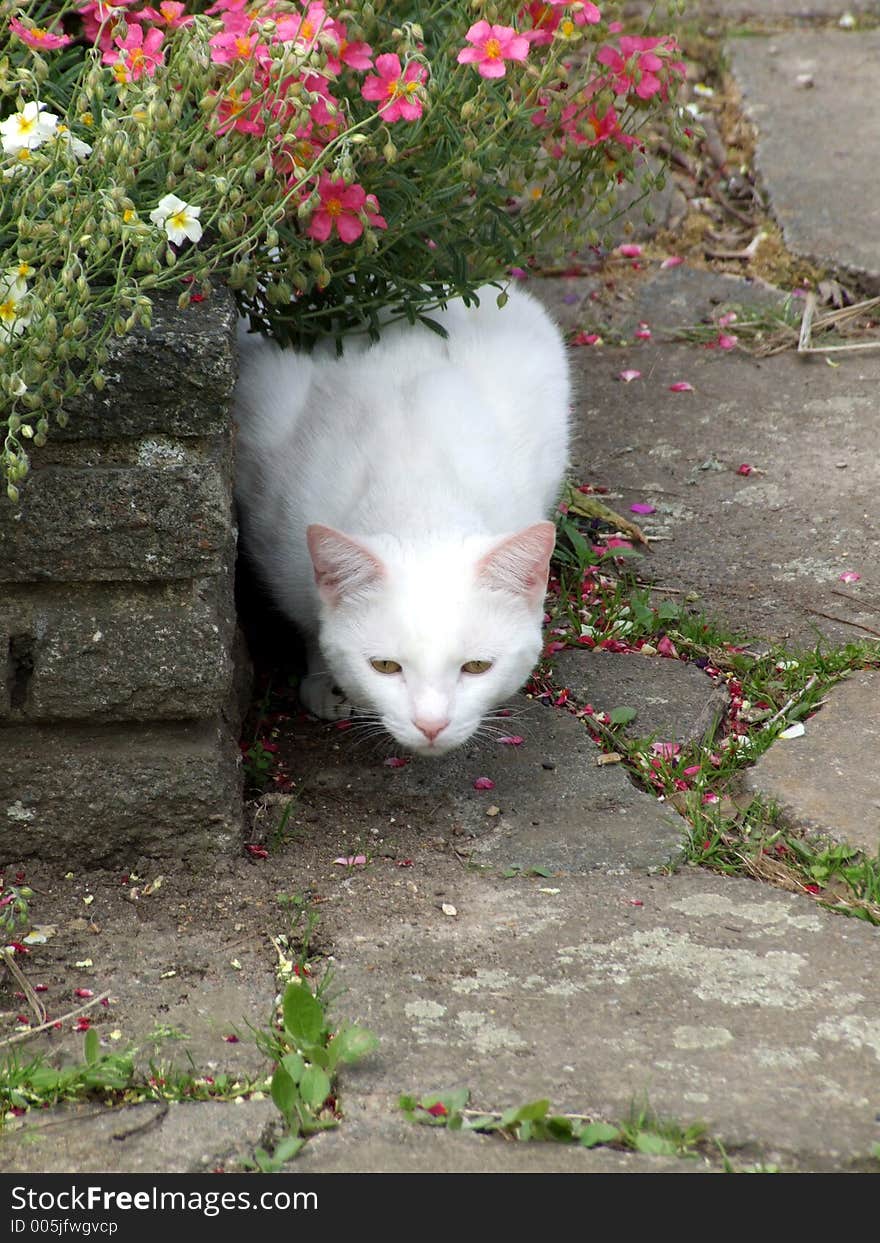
(320, 695)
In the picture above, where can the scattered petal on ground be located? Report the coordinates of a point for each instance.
(484, 783)
(681, 386)
(794, 731)
(395, 761)
(849, 576)
(351, 861)
(745, 469)
(629, 250)
(511, 740)
(586, 338)
(628, 376)
(672, 261)
(641, 507)
(666, 750)
(642, 333)
(448, 909)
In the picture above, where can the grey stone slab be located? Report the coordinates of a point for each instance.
(174, 378)
(179, 1138)
(116, 523)
(761, 13)
(551, 806)
(818, 147)
(109, 653)
(828, 781)
(714, 999)
(89, 794)
(763, 552)
(674, 700)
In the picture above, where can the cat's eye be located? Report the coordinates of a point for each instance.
(386, 666)
(476, 666)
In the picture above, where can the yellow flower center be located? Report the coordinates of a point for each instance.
(25, 126)
(493, 49)
(180, 219)
(333, 207)
(8, 311)
(243, 46)
(393, 88)
(128, 215)
(38, 32)
(411, 87)
(135, 56)
(567, 27)
(307, 30)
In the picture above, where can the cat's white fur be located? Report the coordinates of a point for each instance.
(395, 501)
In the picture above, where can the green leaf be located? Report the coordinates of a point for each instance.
(294, 1065)
(647, 1141)
(668, 611)
(622, 716)
(284, 1093)
(539, 871)
(352, 1043)
(595, 1133)
(314, 1087)
(303, 1014)
(288, 1148)
(532, 1112)
(91, 1046)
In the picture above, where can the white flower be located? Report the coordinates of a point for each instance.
(77, 148)
(179, 219)
(28, 129)
(14, 317)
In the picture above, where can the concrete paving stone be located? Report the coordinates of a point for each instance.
(828, 781)
(555, 807)
(715, 999)
(763, 552)
(154, 1138)
(818, 145)
(763, 13)
(675, 701)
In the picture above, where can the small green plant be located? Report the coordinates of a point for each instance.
(14, 911)
(307, 1054)
(642, 1131)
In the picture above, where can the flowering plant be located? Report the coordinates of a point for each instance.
(327, 162)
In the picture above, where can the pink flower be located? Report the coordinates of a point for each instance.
(304, 29)
(397, 88)
(236, 111)
(227, 48)
(341, 208)
(170, 13)
(97, 15)
(492, 46)
(635, 66)
(138, 54)
(341, 52)
(38, 36)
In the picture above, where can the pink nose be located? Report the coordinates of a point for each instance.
(430, 728)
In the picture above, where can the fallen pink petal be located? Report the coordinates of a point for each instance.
(681, 386)
(484, 783)
(629, 250)
(727, 341)
(724, 321)
(849, 576)
(666, 750)
(643, 333)
(511, 740)
(395, 761)
(83, 992)
(672, 261)
(586, 338)
(351, 861)
(231, 1039)
(641, 507)
(629, 376)
(745, 469)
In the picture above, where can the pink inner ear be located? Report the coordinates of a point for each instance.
(343, 566)
(521, 562)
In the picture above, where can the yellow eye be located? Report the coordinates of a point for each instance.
(386, 666)
(476, 666)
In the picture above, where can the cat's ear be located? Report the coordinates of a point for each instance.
(343, 567)
(520, 563)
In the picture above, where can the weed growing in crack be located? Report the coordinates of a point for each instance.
(597, 602)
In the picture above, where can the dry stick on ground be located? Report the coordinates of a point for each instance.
(843, 622)
(21, 980)
(789, 703)
(872, 604)
(32, 1031)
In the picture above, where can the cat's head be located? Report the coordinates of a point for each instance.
(428, 637)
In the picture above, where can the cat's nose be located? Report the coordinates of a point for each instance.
(430, 728)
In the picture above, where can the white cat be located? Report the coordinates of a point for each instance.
(394, 502)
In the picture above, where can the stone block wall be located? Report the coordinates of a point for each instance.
(121, 704)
